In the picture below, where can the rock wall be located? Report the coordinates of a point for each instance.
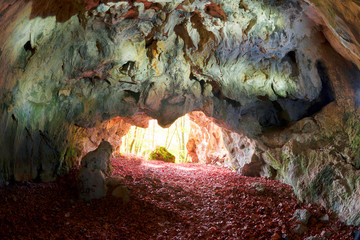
(109, 130)
(319, 155)
(339, 20)
(211, 144)
(205, 144)
(269, 70)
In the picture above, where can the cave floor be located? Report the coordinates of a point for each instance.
(168, 201)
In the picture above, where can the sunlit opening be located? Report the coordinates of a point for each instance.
(141, 141)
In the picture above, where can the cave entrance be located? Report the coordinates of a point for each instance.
(142, 141)
(194, 138)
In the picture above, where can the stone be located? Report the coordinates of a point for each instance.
(94, 167)
(205, 144)
(99, 159)
(91, 184)
(162, 154)
(111, 130)
(254, 168)
(324, 218)
(302, 216)
(343, 38)
(211, 143)
(326, 233)
(112, 182)
(121, 192)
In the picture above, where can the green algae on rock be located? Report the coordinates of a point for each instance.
(161, 153)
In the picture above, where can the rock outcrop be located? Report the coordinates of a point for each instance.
(211, 144)
(95, 166)
(205, 144)
(283, 75)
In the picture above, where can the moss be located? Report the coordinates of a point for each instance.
(352, 129)
(357, 160)
(322, 183)
(274, 163)
(69, 156)
(161, 153)
(304, 161)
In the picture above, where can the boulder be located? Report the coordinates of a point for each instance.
(95, 166)
(112, 182)
(91, 184)
(161, 153)
(302, 216)
(99, 158)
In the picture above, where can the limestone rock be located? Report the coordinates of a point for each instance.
(325, 218)
(206, 143)
(94, 167)
(91, 184)
(111, 130)
(210, 143)
(98, 159)
(341, 29)
(302, 216)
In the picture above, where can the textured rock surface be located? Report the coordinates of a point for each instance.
(302, 216)
(206, 144)
(209, 143)
(283, 73)
(109, 130)
(95, 166)
(161, 153)
(340, 20)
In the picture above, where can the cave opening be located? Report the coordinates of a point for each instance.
(142, 141)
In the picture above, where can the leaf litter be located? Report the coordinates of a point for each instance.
(168, 201)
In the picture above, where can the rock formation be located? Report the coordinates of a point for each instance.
(162, 154)
(211, 144)
(95, 166)
(283, 74)
(205, 144)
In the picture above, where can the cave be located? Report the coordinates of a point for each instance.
(269, 88)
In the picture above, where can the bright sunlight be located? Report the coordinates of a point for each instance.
(141, 141)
